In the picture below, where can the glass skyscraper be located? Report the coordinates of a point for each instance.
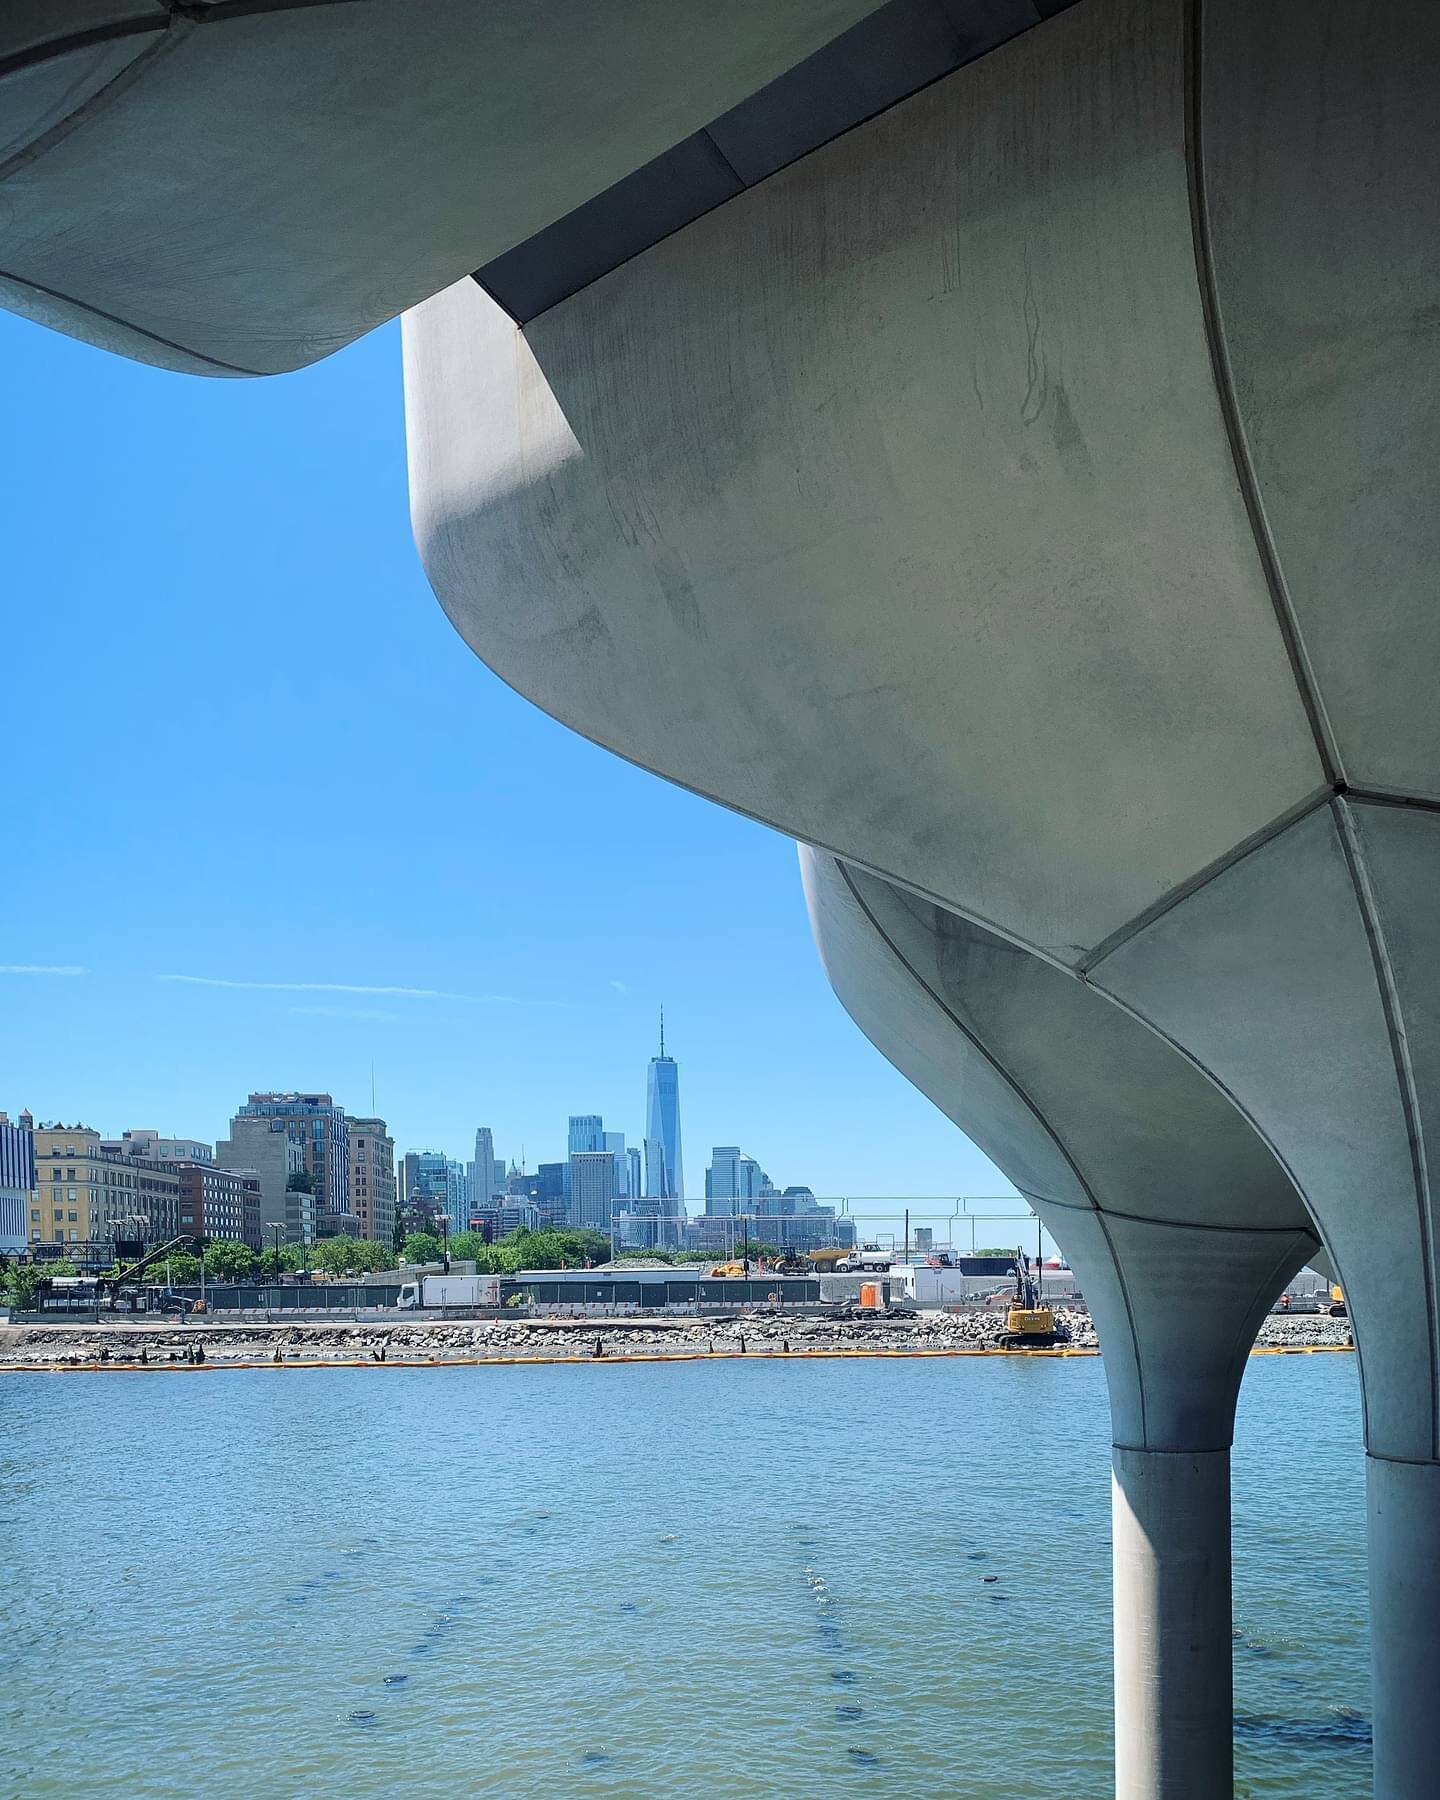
(662, 1123)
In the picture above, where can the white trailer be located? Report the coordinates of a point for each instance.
(450, 1290)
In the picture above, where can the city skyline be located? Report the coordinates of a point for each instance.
(212, 948)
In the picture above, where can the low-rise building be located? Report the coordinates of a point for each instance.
(150, 1146)
(86, 1201)
(219, 1204)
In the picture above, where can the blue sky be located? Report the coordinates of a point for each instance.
(244, 746)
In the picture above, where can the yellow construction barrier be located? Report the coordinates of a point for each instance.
(521, 1362)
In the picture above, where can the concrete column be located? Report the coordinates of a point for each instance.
(1404, 1508)
(1171, 1555)
(1180, 1225)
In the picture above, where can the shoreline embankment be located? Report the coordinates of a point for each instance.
(211, 1343)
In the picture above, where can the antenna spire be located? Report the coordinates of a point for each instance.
(662, 1029)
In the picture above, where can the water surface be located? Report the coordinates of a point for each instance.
(722, 1579)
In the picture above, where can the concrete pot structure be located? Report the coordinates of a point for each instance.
(1178, 1221)
(988, 439)
(240, 187)
(1026, 497)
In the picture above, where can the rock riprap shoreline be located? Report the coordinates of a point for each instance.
(47, 1345)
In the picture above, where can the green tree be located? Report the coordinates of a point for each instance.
(22, 1280)
(556, 1247)
(227, 1261)
(300, 1181)
(420, 1247)
(370, 1255)
(336, 1255)
(469, 1246)
(180, 1269)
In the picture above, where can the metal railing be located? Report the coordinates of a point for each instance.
(899, 1223)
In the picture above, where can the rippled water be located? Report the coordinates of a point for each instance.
(700, 1579)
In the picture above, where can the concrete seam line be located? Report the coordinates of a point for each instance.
(1223, 375)
(965, 1032)
(96, 312)
(1031, 1106)
(484, 277)
(1168, 901)
(1110, 1212)
(1264, 1292)
(1135, 1013)
(120, 83)
(1368, 796)
(137, 26)
(1368, 904)
(1035, 1199)
(1132, 1218)
(1145, 1450)
(1194, 1061)
(79, 40)
(218, 11)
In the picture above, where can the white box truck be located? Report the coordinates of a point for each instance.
(450, 1290)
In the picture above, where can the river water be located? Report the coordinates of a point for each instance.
(702, 1579)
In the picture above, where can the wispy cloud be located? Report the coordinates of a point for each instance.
(619, 986)
(373, 991)
(323, 987)
(354, 1012)
(42, 969)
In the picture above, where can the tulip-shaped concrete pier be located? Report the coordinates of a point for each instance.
(1180, 1224)
(1028, 497)
(994, 440)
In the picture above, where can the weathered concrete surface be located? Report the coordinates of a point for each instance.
(902, 488)
(243, 190)
(1178, 1221)
(1403, 1501)
(1171, 1582)
(1027, 498)
(1304, 977)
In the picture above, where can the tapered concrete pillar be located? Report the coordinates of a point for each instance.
(1180, 1225)
(1404, 1508)
(1171, 1550)
(1330, 934)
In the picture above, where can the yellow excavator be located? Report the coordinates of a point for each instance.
(1030, 1324)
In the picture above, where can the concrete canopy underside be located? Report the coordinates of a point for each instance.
(243, 186)
(1028, 498)
(1178, 1220)
(1179, 1223)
